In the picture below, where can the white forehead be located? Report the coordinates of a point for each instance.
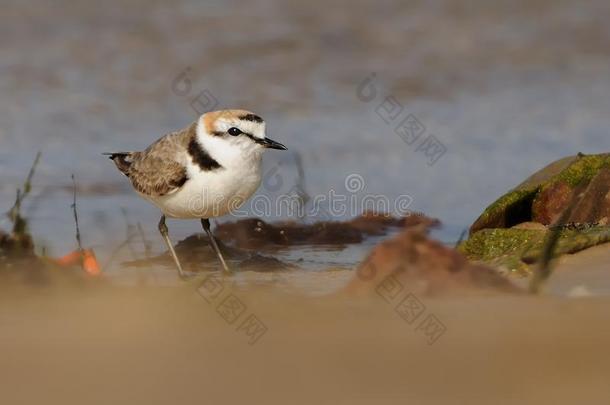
(254, 128)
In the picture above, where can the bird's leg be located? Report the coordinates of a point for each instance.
(206, 226)
(165, 234)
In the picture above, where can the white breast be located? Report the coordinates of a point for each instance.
(214, 193)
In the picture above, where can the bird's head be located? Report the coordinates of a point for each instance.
(234, 132)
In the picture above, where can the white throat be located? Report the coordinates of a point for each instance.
(230, 152)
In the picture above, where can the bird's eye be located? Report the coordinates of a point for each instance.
(234, 131)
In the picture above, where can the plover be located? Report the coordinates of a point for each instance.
(203, 171)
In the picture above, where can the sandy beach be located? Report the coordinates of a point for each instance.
(102, 344)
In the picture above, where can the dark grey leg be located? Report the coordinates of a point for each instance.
(165, 234)
(206, 226)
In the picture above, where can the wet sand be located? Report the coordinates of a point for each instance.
(584, 273)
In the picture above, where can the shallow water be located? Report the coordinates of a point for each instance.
(505, 88)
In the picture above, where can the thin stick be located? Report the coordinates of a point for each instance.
(78, 239)
(27, 187)
(460, 239)
(19, 224)
(15, 212)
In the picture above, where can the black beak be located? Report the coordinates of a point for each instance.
(268, 143)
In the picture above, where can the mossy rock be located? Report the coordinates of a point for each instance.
(515, 250)
(581, 182)
(545, 194)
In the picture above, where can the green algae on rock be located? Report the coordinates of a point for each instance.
(515, 250)
(581, 181)
(571, 241)
(502, 248)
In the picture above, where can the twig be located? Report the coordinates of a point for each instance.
(16, 206)
(16, 209)
(461, 238)
(15, 212)
(78, 239)
(27, 187)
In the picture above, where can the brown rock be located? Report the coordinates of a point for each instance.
(550, 202)
(549, 191)
(412, 262)
(594, 202)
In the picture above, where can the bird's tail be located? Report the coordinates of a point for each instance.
(122, 160)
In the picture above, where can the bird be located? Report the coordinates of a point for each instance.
(203, 171)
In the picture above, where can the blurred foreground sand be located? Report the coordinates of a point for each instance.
(106, 344)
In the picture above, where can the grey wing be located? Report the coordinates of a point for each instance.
(159, 170)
